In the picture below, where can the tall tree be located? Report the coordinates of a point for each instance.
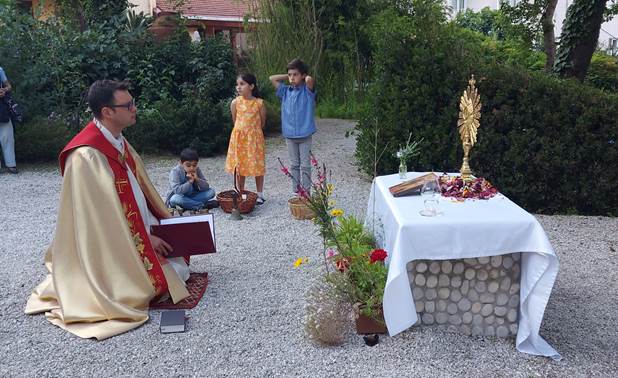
(579, 37)
(529, 20)
(86, 12)
(549, 38)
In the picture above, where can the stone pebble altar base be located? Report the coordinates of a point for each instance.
(474, 296)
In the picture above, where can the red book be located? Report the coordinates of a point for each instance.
(192, 235)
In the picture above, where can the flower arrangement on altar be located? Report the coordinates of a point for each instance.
(411, 149)
(459, 189)
(354, 270)
(405, 153)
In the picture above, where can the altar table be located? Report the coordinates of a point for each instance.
(469, 229)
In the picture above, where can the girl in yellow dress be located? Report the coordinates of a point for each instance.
(246, 149)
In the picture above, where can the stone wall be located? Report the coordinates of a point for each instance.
(476, 296)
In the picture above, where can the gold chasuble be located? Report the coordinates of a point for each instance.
(103, 271)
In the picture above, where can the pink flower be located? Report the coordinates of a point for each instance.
(330, 253)
(302, 192)
(284, 169)
(314, 161)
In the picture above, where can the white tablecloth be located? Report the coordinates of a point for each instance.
(473, 228)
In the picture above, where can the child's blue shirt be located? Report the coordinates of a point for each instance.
(297, 111)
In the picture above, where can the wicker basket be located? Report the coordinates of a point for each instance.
(299, 209)
(226, 201)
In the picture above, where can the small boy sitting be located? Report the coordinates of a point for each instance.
(189, 189)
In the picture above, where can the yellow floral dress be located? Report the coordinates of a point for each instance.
(246, 148)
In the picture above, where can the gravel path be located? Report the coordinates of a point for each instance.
(249, 322)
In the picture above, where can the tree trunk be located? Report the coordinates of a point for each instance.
(580, 35)
(549, 38)
(81, 19)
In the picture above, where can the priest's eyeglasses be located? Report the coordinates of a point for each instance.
(129, 105)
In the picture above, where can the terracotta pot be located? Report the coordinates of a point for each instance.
(366, 325)
(162, 33)
(164, 26)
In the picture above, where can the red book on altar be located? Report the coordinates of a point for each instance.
(192, 235)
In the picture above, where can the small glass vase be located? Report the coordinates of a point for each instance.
(403, 170)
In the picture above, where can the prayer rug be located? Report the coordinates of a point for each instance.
(196, 285)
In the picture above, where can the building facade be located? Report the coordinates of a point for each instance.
(205, 18)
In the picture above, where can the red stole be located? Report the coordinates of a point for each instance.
(93, 137)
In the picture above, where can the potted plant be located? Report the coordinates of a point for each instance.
(360, 272)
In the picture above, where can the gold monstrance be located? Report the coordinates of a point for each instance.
(468, 124)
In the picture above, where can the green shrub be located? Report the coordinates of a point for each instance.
(40, 139)
(485, 21)
(603, 72)
(273, 117)
(548, 144)
(330, 108)
(512, 53)
(171, 125)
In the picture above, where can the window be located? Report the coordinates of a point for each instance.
(241, 42)
(458, 5)
(224, 34)
(612, 46)
(509, 2)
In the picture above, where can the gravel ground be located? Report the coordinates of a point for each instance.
(249, 322)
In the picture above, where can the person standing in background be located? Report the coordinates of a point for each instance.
(246, 150)
(297, 120)
(7, 139)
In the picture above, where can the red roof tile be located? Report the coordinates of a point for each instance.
(235, 9)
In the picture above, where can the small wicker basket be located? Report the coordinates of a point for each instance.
(299, 209)
(246, 205)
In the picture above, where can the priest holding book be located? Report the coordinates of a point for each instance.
(105, 267)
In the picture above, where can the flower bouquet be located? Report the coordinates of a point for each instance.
(404, 154)
(354, 271)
